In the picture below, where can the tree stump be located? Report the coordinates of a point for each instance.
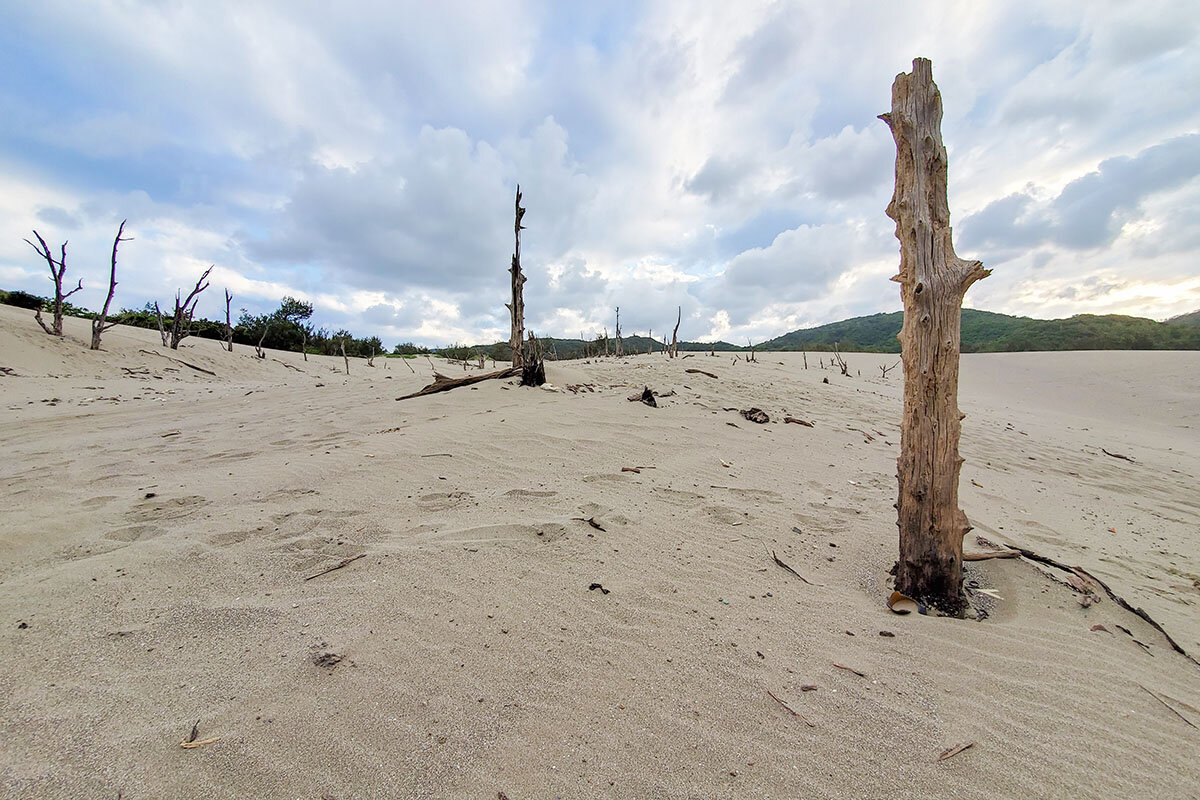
(932, 281)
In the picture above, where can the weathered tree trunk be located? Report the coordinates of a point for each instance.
(517, 306)
(932, 281)
(161, 330)
(675, 333)
(57, 270)
(228, 323)
(345, 357)
(99, 324)
(618, 333)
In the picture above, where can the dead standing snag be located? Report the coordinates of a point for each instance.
(57, 270)
(99, 324)
(181, 322)
(516, 308)
(932, 281)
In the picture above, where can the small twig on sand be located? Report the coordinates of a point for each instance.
(432, 455)
(798, 421)
(631, 469)
(1118, 455)
(951, 752)
(590, 521)
(1164, 702)
(850, 669)
(791, 710)
(775, 558)
(338, 565)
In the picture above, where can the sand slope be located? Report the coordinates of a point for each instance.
(157, 528)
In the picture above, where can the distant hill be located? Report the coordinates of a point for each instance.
(988, 332)
(1192, 319)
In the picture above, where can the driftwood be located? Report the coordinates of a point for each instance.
(701, 372)
(646, 396)
(1080, 572)
(338, 565)
(985, 556)
(798, 421)
(933, 281)
(100, 324)
(443, 384)
(1117, 455)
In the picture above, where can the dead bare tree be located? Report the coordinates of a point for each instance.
(228, 324)
(57, 270)
(885, 369)
(650, 347)
(933, 281)
(258, 348)
(606, 341)
(752, 356)
(344, 356)
(618, 332)
(805, 354)
(517, 307)
(675, 334)
(371, 358)
(181, 321)
(100, 324)
(841, 362)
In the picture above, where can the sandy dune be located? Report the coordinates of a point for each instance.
(157, 525)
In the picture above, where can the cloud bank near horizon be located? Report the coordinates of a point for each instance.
(724, 159)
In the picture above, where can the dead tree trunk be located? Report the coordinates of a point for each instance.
(228, 324)
(517, 307)
(99, 324)
(161, 330)
(57, 270)
(618, 332)
(932, 282)
(805, 354)
(533, 370)
(675, 333)
(345, 357)
(841, 362)
(258, 348)
(181, 324)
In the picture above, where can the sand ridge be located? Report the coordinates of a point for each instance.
(158, 525)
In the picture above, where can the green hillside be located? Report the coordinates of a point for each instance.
(988, 332)
(1192, 319)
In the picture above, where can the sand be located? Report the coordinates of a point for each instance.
(157, 525)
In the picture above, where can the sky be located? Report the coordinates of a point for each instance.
(725, 158)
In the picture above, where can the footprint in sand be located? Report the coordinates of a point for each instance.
(134, 533)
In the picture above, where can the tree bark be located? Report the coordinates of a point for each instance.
(98, 324)
(516, 308)
(932, 281)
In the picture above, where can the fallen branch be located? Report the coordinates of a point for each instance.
(791, 710)
(798, 422)
(775, 558)
(180, 361)
(338, 565)
(289, 366)
(1118, 455)
(443, 384)
(991, 554)
(1116, 598)
(590, 521)
(701, 372)
(850, 669)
